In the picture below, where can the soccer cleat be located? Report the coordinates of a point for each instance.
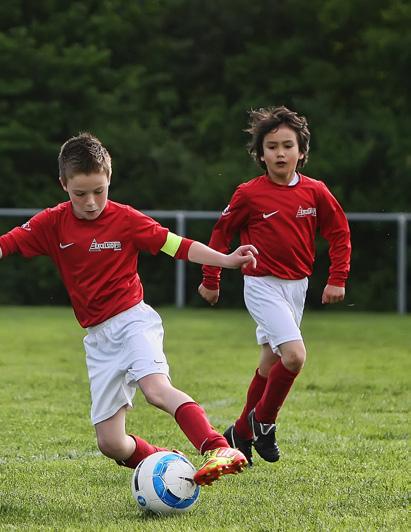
(218, 462)
(264, 438)
(236, 442)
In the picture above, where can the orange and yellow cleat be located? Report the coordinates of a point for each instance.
(218, 462)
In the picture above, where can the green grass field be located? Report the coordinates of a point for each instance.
(342, 431)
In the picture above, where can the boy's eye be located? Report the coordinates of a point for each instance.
(96, 192)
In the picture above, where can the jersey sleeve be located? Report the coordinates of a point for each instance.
(31, 239)
(234, 216)
(177, 246)
(147, 234)
(334, 228)
(7, 245)
(151, 236)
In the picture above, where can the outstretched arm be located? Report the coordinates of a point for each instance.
(242, 256)
(183, 248)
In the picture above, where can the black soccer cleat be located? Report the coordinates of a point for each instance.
(234, 441)
(264, 438)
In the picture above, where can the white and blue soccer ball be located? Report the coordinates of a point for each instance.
(163, 483)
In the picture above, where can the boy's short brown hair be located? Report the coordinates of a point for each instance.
(83, 154)
(267, 119)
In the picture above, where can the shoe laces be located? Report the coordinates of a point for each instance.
(207, 456)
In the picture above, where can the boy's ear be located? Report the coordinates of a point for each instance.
(301, 156)
(62, 184)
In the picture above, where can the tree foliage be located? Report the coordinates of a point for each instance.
(166, 85)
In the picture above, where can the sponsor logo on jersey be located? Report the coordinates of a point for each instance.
(310, 211)
(226, 211)
(99, 246)
(26, 226)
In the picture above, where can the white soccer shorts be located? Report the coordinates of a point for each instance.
(277, 306)
(119, 352)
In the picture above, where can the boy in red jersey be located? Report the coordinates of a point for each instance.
(95, 244)
(279, 212)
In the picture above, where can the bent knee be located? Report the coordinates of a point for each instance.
(293, 356)
(110, 447)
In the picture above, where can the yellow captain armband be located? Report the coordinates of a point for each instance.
(172, 244)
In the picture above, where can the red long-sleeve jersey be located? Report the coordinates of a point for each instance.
(281, 222)
(97, 259)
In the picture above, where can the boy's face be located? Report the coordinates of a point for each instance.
(88, 194)
(281, 154)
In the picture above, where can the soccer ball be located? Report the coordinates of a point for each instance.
(163, 483)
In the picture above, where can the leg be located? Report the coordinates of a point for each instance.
(114, 442)
(159, 392)
(277, 307)
(293, 355)
(280, 380)
(267, 360)
(240, 434)
(219, 458)
(191, 418)
(255, 390)
(112, 439)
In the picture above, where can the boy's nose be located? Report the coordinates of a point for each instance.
(90, 200)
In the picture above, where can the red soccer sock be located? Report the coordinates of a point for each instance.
(194, 423)
(254, 394)
(142, 450)
(278, 385)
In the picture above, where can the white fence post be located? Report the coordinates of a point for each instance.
(180, 281)
(402, 264)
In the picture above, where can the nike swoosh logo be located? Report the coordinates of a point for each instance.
(226, 211)
(269, 214)
(64, 246)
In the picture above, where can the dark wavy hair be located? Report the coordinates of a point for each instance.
(83, 154)
(267, 119)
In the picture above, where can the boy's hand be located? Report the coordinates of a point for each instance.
(211, 296)
(333, 294)
(242, 257)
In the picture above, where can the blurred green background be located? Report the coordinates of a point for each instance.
(166, 85)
